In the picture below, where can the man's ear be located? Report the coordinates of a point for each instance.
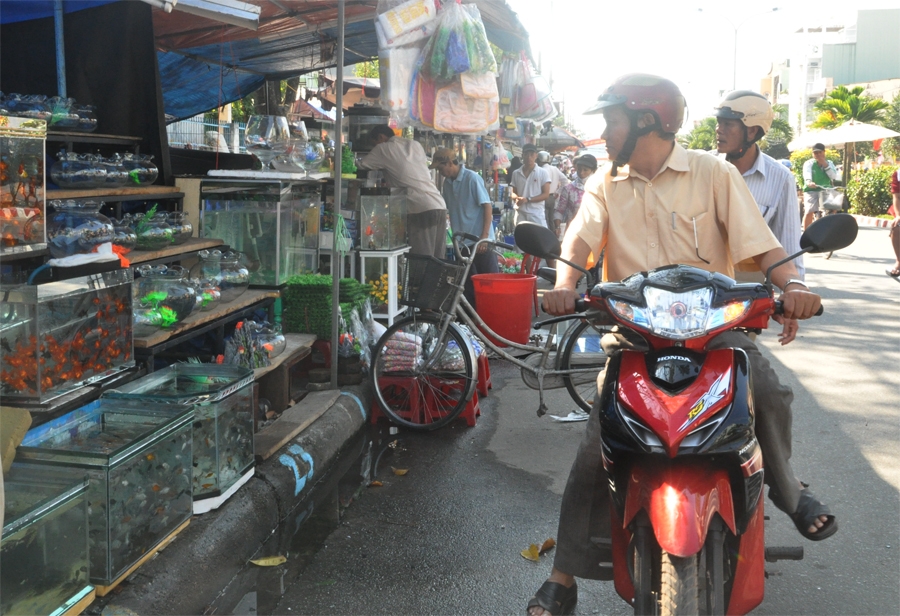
(646, 119)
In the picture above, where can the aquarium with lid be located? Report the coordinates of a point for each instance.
(221, 398)
(137, 456)
(382, 220)
(44, 550)
(266, 220)
(59, 336)
(22, 186)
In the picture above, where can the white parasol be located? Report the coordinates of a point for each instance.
(849, 132)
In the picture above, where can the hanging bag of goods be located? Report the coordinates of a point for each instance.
(458, 45)
(399, 18)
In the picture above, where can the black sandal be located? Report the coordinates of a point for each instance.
(809, 508)
(555, 598)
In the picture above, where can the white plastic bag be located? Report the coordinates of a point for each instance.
(406, 17)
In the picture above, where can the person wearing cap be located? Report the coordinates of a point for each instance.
(570, 195)
(818, 173)
(742, 119)
(405, 166)
(658, 204)
(469, 207)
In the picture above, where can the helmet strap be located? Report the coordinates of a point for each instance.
(739, 153)
(634, 133)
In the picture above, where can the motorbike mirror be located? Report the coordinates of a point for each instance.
(829, 233)
(536, 240)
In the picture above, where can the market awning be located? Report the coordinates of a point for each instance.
(204, 63)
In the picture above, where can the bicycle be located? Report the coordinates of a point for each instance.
(831, 201)
(424, 369)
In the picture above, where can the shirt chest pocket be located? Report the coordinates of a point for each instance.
(767, 209)
(689, 234)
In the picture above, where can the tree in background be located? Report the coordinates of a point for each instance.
(369, 70)
(842, 105)
(891, 147)
(702, 137)
(780, 134)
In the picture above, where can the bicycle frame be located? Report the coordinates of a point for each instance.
(461, 310)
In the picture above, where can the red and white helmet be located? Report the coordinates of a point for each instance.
(643, 92)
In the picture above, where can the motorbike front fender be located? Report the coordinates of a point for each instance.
(680, 498)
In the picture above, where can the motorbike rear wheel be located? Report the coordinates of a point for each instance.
(679, 585)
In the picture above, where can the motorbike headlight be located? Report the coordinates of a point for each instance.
(679, 316)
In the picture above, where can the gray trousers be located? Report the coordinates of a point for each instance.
(427, 233)
(585, 506)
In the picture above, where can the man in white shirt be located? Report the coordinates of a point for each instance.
(529, 188)
(743, 118)
(403, 162)
(818, 173)
(557, 180)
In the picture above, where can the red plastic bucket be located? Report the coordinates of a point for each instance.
(505, 303)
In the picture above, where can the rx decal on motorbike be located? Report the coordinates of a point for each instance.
(715, 393)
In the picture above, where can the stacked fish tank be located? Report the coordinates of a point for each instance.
(221, 399)
(44, 551)
(137, 456)
(266, 220)
(59, 336)
(22, 195)
(382, 220)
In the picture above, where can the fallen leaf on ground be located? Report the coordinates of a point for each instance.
(400, 471)
(548, 545)
(531, 553)
(376, 484)
(269, 561)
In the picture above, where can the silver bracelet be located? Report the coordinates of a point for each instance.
(795, 281)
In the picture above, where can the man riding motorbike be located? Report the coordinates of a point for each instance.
(657, 204)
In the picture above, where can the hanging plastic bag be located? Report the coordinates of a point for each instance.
(482, 85)
(454, 113)
(405, 16)
(458, 45)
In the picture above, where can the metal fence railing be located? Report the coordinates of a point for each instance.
(197, 133)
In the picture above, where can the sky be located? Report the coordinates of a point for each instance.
(583, 45)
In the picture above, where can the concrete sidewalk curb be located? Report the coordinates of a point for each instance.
(871, 221)
(215, 548)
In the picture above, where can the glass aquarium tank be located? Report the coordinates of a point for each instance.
(22, 188)
(221, 397)
(382, 220)
(137, 456)
(266, 220)
(59, 336)
(44, 551)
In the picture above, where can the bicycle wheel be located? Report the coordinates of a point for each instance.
(582, 351)
(414, 386)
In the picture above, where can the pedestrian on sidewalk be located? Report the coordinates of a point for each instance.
(894, 233)
(403, 162)
(469, 206)
(558, 181)
(529, 188)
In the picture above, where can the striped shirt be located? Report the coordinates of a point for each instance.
(775, 190)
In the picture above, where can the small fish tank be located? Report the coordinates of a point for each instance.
(221, 397)
(265, 220)
(382, 221)
(22, 184)
(59, 336)
(44, 550)
(137, 456)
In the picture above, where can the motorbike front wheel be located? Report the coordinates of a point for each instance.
(679, 585)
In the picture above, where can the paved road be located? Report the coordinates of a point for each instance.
(445, 538)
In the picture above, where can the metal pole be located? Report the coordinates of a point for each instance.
(60, 48)
(734, 63)
(336, 259)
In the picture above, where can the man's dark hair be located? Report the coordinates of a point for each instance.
(381, 130)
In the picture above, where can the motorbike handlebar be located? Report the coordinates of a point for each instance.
(779, 308)
(580, 305)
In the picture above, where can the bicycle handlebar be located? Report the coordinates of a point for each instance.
(478, 240)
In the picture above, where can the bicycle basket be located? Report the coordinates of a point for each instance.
(832, 199)
(429, 283)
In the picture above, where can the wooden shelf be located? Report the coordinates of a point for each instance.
(198, 320)
(136, 257)
(297, 345)
(124, 193)
(81, 137)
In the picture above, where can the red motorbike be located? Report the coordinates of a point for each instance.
(685, 468)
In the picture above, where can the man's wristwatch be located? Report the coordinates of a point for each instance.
(794, 281)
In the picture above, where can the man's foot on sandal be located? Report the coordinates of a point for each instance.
(812, 518)
(554, 597)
